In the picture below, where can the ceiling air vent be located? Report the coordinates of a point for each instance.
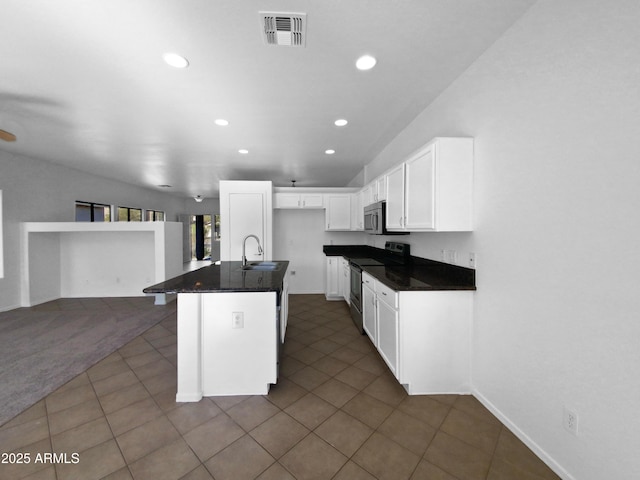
(283, 28)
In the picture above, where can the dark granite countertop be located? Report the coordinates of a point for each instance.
(417, 274)
(226, 277)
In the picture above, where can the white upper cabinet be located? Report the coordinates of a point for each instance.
(245, 209)
(357, 211)
(432, 190)
(296, 200)
(338, 211)
(395, 198)
(381, 188)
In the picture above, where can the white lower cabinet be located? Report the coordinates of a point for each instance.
(332, 278)
(423, 336)
(369, 313)
(345, 285)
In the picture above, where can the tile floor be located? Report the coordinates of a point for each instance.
(336, 413)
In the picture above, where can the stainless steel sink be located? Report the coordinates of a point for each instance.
(264, 266)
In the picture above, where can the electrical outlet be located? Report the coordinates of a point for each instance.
(570, 420)
(472, 260)
(237, 320)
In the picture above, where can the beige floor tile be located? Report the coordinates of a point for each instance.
(187, 416)
(313, 458)
(124, 397)
(425, 408)
(353, 471)
(356, 377)
(133, 415)
(114, 383)
(511, 450)
(12, 438)
(472, 430)
(309, 378)
(329, 365)
(105, 369)
(367, 409)
(276, 472)
(385, 459)
(12, 471)
(285, 392)
(94, 463)
(146, 438)
(64, 399)
(252, 412)
(428, 471)
(74, 416)
(411, 433)
(82, 437)
(278, 434)
(458, 458)
(200, 473)
(310, 410)
(213, 436)
(335, 392)
(244, 459)
(387, 389)
(167, 463)
(344, 432)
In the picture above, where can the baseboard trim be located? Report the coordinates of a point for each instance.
(535, 448)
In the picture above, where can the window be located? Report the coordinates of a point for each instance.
(154, 216)
(129, 214)
(92, 212)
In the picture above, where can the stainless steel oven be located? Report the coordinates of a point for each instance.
(355, 291)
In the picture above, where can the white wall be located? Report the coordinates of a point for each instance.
(37, 191)
(298, 236)
(554, 107)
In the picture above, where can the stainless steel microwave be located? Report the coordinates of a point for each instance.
(375, 220)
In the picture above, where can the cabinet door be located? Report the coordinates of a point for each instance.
(357, 212)
(388, 335)
(332, 285)
(286, 200)
(338, 212)
(346, 280)
(369, 313)
(420, 190)
(395, 198)
(312, 200)
(381, 183)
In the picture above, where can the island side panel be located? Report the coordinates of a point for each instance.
(239, 357)
(189, 347)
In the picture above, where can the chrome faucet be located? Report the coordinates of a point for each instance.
(244, 244)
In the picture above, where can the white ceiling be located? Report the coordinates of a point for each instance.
(83, 84)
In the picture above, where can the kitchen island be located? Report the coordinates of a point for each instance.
(231, 325)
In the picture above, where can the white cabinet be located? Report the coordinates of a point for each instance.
(357, 211)
(346, 280)
(295, 200)
(245, 209)
(332, 278)
(388, 334)
(395, 198)
(338, 211)
(369, 312)
(432, 190)
(381, 189)
(423, 336)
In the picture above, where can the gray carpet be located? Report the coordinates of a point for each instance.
(42, 348)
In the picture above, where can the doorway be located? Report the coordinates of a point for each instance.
(205, 237)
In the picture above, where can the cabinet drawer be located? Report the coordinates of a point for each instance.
(369, 281)
(387, 295)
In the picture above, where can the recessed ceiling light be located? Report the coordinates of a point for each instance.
(243, 151)
(366, 62)
(330, 152)
(221, 122)
(340, 122)
(175, 60)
